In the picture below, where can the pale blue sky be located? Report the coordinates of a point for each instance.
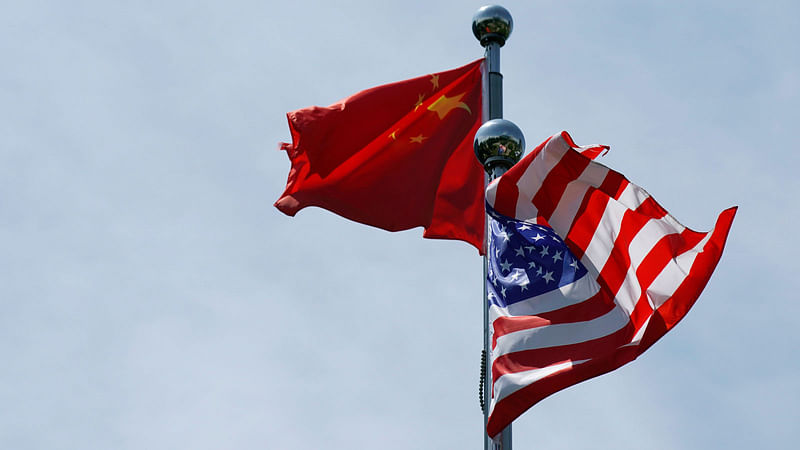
(153, 298)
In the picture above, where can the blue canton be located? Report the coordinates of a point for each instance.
(526, 260)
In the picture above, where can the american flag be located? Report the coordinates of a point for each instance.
(586, 271)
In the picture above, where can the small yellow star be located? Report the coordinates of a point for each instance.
(443, 105)
(435, 81)
(419, 101)
(393, 135)
(418, 139)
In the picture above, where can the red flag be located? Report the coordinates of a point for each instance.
(586, 272)
(395, 157)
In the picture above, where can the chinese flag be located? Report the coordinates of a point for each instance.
(395, 157)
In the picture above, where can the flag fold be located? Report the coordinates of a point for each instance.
(395, 157)
(586, 271)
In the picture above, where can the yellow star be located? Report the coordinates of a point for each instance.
(435, 81)
(419, 101)
(393, 135)
(443, 105)
(418, 139)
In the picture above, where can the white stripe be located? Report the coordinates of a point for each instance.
(564, 214)
(673, 274)
(599, 248)
(629, 292)
(512, 382)
(531, 180)
(673, 222)
(652, 232)
(603, 241)
(642, 243)
(632, 196)
(491, 192)
(525, 209)
(560, 334)
(571, 294)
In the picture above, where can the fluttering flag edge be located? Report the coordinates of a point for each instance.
(676, 306)
(513, 406)
(436, 226)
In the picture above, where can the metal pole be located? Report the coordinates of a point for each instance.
(494, 94)
(498, 145)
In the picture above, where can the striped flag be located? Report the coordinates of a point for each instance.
(586, 271)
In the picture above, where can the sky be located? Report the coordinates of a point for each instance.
(152, 297)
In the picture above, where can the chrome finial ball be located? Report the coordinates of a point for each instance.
(492, 23)
(499, 142)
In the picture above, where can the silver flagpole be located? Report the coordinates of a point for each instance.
(499, 144)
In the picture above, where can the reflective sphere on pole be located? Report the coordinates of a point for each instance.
(499, 142)
(492, 23)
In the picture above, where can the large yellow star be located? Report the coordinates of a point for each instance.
(418, 139)
(443, 105)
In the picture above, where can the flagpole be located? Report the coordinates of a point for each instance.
(499, 144)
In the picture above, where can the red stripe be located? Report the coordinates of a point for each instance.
(591, 212)
(667, 248)
(594, 151)
(614, 272)
(591, 152)
(543, 357)
(676, 307)
(614, 184)
(641, 312)
(509, 408)
(592, 308)
(619, 260)
(595, 306)
(568, 139)
(509, 324)
(567, 170)
(507, 191)
(651, 208)
(506, 197)
(586, 220)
